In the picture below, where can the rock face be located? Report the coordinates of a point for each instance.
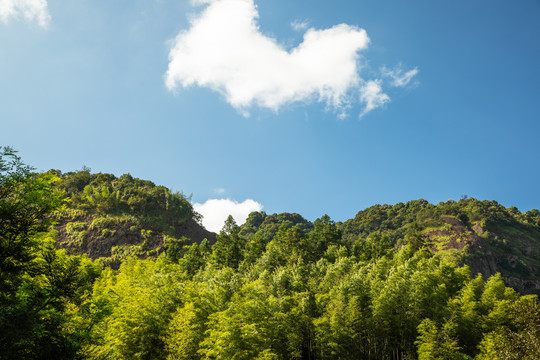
(112, 218)
(482, 234)
(113, 239)
(508, 249)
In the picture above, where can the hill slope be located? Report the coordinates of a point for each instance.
(484, 235)
(113, 218)
(385, 285)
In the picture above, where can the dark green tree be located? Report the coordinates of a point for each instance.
(37, 282)
(227, 251)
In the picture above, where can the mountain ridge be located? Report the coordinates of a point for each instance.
(112, 218)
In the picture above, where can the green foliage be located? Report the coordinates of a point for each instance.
(25, 201)
(43, 291)
(140, 299)
(185, 333)
(227, 251)
(520, 339)
(266, 226)
(155, 207)
(195, 257)
(113, 218)
(380, 286)
(78, 233)
(435, 344)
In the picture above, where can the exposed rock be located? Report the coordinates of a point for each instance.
(488, 252)
(114, 238)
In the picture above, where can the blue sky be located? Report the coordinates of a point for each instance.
(193, 98)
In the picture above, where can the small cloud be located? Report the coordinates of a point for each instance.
(201, 2)
(400, 77)
(29, 10)
(220, 191)
(216, 211)
(300, 25)
(372, 96)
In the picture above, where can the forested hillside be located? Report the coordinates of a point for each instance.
(114, 218)
(484, 235)
(98, 267)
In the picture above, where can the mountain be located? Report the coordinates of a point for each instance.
(483, 235)
(113, 218)
(394, 282)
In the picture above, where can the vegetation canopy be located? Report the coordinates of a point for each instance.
(94, 266)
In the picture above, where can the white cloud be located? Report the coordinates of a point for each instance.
(372, 96)
(30, 10)
(299, 25)
(216, 211)
(220, 191)
(399, 76)
(224, 50)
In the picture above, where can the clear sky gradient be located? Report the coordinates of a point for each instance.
(228, 105)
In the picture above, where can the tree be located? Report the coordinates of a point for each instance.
(435, 344)
(324, 234)
(520, 339)
(38, 283)
(185, 332)
(195, 257)
(227, 251)
(25, 201)
(140, 300)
